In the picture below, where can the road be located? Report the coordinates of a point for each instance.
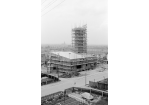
(69, 82)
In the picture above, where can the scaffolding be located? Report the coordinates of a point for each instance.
(79, 39)
(62, 64)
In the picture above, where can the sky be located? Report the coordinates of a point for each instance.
(58, 17)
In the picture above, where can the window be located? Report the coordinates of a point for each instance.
(79, 66)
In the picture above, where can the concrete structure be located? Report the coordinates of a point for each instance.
(101, 85)
(71, 62)
(79, 39)
(43, 58)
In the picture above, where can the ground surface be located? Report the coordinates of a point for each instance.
(93, 75)
(99, 68)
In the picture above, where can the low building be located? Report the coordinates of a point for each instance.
(102, 58)
(47, 79)
(71, 62)
(101, 85)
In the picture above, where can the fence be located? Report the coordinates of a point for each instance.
(78, 89)
(98, 85)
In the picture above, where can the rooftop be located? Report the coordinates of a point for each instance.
(105, 81)
(79, 28)
(71, 55)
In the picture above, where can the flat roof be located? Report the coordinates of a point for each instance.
(105, 81)
(44, 78)
(71, 55)
(79, 28)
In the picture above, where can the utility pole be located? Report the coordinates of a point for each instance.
(64, 95)
(62, 64)
(85, 71)
(70, 65)
(57, 66)
(47, 60)
(85, 78)
(47, 65)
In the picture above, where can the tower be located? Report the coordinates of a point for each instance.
(79, 39)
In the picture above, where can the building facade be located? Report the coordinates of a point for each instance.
(71, 62)
(43, 58)
(101, 85)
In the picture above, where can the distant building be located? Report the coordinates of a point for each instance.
(71, 62)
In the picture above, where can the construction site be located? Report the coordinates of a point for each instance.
(74, 53)
(79, 39)
(76, 59)
(71, 62)
(72, 91)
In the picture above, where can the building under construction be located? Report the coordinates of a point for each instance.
(68, 62)
(79, 39)
(78, 59)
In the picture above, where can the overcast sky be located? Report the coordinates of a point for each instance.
(57, 22)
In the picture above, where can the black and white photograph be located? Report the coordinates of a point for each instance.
(74, 52)
(92, 52)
